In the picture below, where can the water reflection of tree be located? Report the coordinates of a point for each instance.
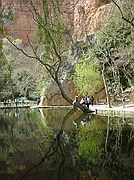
(90, 146)
(108, 153)
(16, 126)
(7, 145)
(56, 149)
(119, 149)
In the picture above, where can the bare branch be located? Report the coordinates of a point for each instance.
(123, 17)
(50, 36)
(26, 54)
(36, 57)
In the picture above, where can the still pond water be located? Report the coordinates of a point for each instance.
(61, 144)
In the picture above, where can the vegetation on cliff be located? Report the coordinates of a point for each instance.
(111, 48)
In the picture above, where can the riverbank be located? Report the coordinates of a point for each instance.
(114, 110)
(14, 107)
(98, 109)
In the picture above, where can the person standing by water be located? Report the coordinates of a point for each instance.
(82, 101)
(38, 101)
(85, 101)
(92, 100)
(22, 101)
(4, 103)
(88, 101)
(16, 102)
(123, 102)
(75, 101)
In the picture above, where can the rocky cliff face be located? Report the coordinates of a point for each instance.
(83, 18)
(23, 24)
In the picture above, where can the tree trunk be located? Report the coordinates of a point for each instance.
(1, 23)
(105, 84)
(70, 101)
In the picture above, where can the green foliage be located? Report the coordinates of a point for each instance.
(2, 73)
(7, 59)
(90, 142)
(16, 79)
(6, 16)
(87, 76)
(115, 48)
(50, 29)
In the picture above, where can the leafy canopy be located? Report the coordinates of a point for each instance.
(87, 76)
(115, 48)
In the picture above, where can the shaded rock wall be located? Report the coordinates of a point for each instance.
(53, 95)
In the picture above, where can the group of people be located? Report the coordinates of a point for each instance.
(10, 102)
(7, 102)
(87, 100)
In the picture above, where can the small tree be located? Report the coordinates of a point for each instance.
(87, 77)
(114, 50)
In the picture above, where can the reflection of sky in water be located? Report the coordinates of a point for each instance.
(41, 144)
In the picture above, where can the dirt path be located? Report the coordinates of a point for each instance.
(129, 107)
(115, 110)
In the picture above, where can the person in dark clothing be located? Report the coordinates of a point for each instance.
(123, 100)
(4, 103)
(16, 102)
(92, 100)
(88, 101)
(38, 101)
(85, 100)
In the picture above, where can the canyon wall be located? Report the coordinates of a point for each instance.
(82, 17)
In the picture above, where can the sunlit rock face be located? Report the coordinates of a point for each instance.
(84, 17)
(23, 25)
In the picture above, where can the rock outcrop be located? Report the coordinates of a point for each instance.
(53, 95)
(23, 25)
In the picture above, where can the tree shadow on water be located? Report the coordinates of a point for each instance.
(56, 150)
